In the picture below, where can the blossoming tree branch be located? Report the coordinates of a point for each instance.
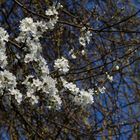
(65, 69)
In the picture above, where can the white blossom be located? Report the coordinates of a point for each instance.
(88, 35)
(102, 89)
(81, 97)
(3, 35)
(70, 86)
(3, 59)
(84, 98)
(62, 65)
(83, 52)
(27, 25)
(117, 67)
(73, 56)
(28, 58)
(51, 11)
(71, 52)
(51, 23)
(8, 80)
(34, 99)
(110, 78)
(57, 101)
(85, 37)
(82, 41)
(17, 94)
(8, 84)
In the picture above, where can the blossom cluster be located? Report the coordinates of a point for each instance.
(85, 37)
(62, 65)
(80, 97)
(8, 84)
(39, 85)
(3, 39)
(52, 12)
